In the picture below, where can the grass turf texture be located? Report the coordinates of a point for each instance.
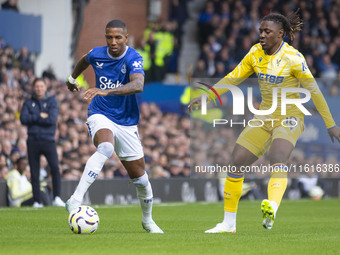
(302, 227)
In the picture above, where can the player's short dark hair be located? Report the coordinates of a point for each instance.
(289, 24)
(116, 23)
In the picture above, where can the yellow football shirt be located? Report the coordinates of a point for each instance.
(286, 68)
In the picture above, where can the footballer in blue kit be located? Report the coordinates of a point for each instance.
(113, 72)
(113, 116)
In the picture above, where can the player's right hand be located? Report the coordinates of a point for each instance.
(92, 92)
(72, 87)
(334, 133)
(195, 104)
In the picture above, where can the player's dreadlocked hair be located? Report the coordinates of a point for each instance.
(289, 24)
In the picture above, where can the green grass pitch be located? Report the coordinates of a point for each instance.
(301, 227)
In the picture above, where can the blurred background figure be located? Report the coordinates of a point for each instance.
(39, 113)
(10, 5)
(19, 188)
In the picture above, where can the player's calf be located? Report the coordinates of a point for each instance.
(145, 195)
(92, 168)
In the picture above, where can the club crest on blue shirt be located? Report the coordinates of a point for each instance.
(123, 69)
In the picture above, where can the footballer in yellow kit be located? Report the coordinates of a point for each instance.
(277, 65)
(286, 68)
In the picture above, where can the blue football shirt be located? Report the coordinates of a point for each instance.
(112, 73)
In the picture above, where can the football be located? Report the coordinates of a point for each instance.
(316, 193)
(83, 220)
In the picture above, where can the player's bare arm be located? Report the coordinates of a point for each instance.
(81, 66)
(135, 85)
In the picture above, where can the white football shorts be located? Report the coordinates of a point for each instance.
(127, 143)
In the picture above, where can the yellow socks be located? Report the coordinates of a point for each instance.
(276, 187)
(278, 183)
(232, 191)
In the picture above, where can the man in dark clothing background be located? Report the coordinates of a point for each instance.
(40, 114)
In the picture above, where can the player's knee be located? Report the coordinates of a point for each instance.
(142, 181)
(277, 157)
(106, 149)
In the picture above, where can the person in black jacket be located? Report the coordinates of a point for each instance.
(40, 114)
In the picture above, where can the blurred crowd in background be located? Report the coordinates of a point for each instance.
(228, 29)
(161, 42)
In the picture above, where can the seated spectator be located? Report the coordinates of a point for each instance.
(215, 46)
(176, 168)
(24, 59)
(186, 170)
(211, 64)
(220, 70)
(15, 155)
(158, 172)
(200, 70)
(71, 174)
(327, 68)
(19, 188)
(6, 152)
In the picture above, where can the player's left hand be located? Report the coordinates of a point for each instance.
(91, 93)
(195, 104)
(334, 133)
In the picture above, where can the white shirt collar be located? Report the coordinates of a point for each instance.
(126, 49)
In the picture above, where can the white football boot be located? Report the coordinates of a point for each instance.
(152, 227)
(72, 204)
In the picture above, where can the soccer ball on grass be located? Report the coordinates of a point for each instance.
(83, 220)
